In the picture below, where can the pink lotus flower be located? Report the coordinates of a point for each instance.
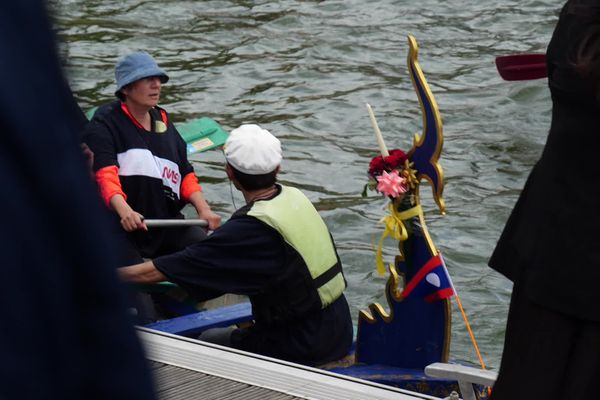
(391, 184)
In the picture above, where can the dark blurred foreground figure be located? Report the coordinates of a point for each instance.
(64, 333)
(550, 247)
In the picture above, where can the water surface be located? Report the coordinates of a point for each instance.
(305, 69)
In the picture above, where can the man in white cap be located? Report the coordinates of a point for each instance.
(276, 250)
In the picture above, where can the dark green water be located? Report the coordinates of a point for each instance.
(305, 69)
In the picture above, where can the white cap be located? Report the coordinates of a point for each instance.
(253, 150)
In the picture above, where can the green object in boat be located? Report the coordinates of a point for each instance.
(202, 134)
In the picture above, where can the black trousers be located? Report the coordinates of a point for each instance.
(133, 247)
(547, 355)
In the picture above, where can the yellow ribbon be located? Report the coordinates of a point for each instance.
(395, 228)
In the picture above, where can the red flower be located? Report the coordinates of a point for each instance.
(376, 166)
(394, 160)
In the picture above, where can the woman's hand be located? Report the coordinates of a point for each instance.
(204, 211)
(130, 220)
(214, 220)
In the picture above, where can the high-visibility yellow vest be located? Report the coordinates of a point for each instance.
(295, 218)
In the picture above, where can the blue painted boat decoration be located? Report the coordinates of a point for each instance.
(394, 347)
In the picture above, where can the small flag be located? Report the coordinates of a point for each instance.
(432, 282)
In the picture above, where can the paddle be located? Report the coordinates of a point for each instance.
(521, 67)
(200, 134)
(163, 287)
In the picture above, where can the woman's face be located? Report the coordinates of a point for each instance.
(144, 92)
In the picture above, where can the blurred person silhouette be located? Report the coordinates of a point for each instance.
(65, 330)
(549, 247)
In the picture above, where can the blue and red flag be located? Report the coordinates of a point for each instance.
(432, 282)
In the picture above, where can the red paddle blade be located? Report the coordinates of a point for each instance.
(521, 67)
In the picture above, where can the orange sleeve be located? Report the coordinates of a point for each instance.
(189, 185)
(109, 183)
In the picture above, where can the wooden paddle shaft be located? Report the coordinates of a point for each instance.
(170, 223)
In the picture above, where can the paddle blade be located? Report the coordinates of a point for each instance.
(521, 67)
(202, 134)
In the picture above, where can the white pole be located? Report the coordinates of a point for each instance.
(165, 223)
(382, 148)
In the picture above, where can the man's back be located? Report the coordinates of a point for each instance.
(250, 257)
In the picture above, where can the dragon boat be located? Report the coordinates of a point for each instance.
(409, 345)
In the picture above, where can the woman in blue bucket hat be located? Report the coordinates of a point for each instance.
(141, 165)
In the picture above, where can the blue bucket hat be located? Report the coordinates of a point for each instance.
(136, 66)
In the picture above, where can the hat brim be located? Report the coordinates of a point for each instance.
(141, 74)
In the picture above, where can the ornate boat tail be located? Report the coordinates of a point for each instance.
(416, 331)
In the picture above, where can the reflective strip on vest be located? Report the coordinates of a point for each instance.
(292, 214)
(143, 163)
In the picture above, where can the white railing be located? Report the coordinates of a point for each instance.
(465, 376)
